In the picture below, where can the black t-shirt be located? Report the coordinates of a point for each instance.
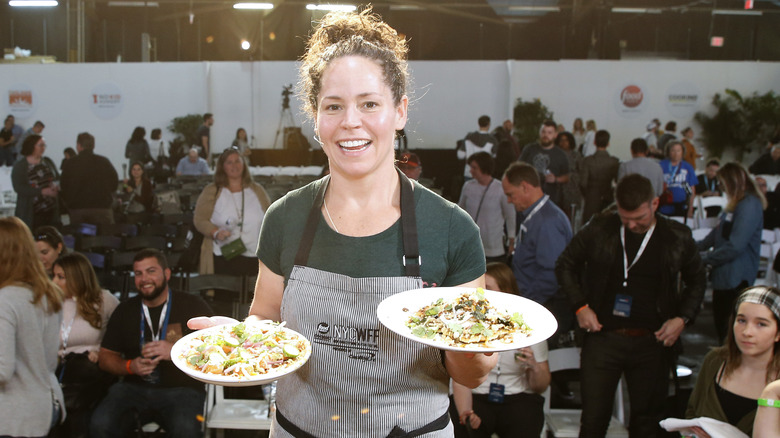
(124, 329)
(203, 131)
(644, 281)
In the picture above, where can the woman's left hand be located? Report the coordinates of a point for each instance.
(92, 356)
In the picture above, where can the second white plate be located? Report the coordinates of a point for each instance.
(394, 313)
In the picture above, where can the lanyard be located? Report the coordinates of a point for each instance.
(240, 215)
(642, 247)
(523, 228)
(710, 184)
(673, 172)
(479, 208)
(162, 326)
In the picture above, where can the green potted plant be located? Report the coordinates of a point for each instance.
(739, 124)
(528, 117)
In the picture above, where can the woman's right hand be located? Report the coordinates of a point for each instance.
(202, 322)
(222, 235)
(473, 419)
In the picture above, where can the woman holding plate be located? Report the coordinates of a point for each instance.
(229, 212)
(331, 251)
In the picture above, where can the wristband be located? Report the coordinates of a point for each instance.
(580, 309)
(127, 367)
(214, 234)
(768, 402)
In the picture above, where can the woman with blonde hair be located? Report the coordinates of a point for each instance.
(733, 377)
(734, 245)
(229, 213)
(30, 314)
(86, 310)
(588, 147)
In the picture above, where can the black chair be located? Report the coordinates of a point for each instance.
(141, 242)
(224, 285)
(162, 230)
(97, 260)
(100, 244)
(121, 230)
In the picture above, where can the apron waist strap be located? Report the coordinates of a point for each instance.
(437, 424)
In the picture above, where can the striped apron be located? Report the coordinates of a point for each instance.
(362, 380)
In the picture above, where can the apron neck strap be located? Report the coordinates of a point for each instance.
(411, 259)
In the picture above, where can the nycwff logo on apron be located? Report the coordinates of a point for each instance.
(357, 343)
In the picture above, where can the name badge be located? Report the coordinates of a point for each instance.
(496, 394)
(622, 305)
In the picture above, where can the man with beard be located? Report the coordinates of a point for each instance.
(550, 161)
(137, 345)
(636, 281)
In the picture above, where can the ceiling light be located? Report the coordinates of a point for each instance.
(136, 4)
(245, 44)
(334, 8)
(405, 8)
(253, 6)
(535, 8)
(33, 3)
(636, 11)
(734, 12)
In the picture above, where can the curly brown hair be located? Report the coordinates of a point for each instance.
(353, 34)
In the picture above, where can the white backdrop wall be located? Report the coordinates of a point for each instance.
(447, 97)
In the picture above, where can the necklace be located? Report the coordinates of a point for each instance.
(330, 218)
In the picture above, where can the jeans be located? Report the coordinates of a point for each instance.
(519, 416)
(643, 361)
(7, 156)
(175, 409)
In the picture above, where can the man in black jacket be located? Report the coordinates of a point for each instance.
(88, 184)
(643, 283)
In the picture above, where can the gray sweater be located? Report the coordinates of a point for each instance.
(29, 340)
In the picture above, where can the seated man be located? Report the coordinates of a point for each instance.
(709, 186)
(192, 165)
(152, 387)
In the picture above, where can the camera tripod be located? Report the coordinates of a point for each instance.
(286, 120)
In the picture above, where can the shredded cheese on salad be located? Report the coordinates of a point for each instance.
(246, 350)
(468, 321)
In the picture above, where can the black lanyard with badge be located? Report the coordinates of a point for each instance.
(624, 301)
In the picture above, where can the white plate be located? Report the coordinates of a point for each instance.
(394, 312)
(181, 347)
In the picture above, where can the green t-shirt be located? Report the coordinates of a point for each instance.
(450, 246)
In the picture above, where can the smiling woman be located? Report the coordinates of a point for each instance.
(331, 251)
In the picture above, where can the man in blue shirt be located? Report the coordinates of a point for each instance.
(544, 233)
(192, 165)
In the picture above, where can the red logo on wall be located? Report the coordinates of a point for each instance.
(631, 96)
(20, 98)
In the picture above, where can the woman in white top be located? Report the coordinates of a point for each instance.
(509, 402)
(229, 209)
(85, 313)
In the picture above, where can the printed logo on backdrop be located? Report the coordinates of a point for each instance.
(630, 100)
(106, 100)
(682, 100)
(21, 101)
